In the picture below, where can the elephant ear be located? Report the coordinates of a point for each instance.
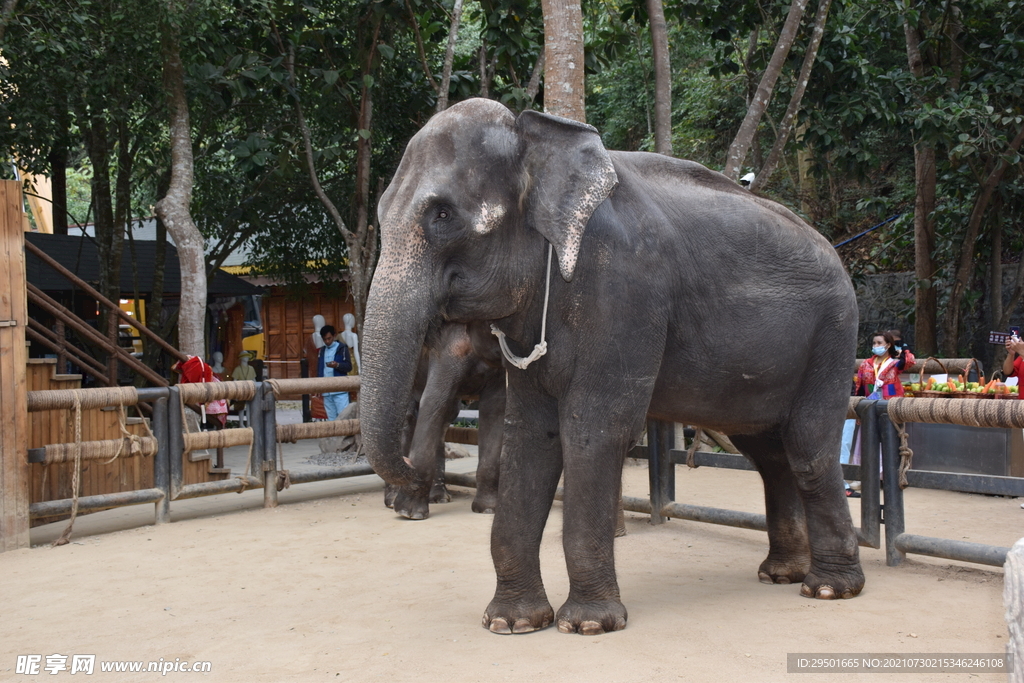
(569, 174)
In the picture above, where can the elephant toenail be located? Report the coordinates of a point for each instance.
(499, 625)
(764, 578)
(565, 626)
(591, 628)
(620, 623)
(826, 593)
(806, 591)
(783, 580)
(523, 625)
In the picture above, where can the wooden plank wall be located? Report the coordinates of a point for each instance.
(14, 470)
(288, 323)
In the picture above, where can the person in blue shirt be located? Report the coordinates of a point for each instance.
(333, 361)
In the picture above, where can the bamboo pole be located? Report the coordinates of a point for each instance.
(15, 478)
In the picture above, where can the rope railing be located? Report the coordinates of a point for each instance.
(221, 438)
(65, 399)
(961, 411)
(290, 433)
(204, 392)
(285, 388)
(100, 450)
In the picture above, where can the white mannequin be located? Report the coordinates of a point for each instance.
(351, 340)
(218, 362)
(318, 323)
(243, 371)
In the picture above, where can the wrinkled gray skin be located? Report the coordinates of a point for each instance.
(685, 297)
(465, 361)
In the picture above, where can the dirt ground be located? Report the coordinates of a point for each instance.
(332, 586)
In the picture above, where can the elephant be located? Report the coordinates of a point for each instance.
(678, 294)
(465, 361)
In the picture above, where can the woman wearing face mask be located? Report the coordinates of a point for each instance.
(879, 375)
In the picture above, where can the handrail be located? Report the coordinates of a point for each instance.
(40, 334)
(85, 287)
(44, 301)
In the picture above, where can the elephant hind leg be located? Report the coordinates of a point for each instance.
(812, 445)
(789, 551)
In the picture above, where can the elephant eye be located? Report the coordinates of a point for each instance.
(443, 214)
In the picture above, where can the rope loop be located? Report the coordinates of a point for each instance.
(906, 455)
(541, 348)
(75, 473)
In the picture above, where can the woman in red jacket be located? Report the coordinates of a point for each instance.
(879, 375)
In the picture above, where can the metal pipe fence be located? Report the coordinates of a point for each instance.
(172, 441)
(882, 502)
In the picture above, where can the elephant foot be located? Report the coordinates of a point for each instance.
(439, 493)
(839, 585)
(485, 503)
(592, 618)
(389, 495)
(783, 570)
(506, 618)
(412, 503)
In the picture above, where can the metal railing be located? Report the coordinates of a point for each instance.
(173, 441)
(882, 501)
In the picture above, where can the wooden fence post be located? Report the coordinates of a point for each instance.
(14, 469)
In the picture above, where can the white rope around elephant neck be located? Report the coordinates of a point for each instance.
(541, 348)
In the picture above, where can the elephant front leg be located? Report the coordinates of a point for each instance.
(593, 473)
(530, 467)
(413, 501)
(492, 417)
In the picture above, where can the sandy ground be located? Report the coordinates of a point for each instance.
(333, 586)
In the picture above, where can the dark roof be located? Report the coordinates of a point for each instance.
(80, 256)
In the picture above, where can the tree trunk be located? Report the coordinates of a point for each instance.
(741, 143)
(449, 57)
(485, 82)
(361, 242)
(174, 208)
(58, 159)
(966, 266)
(925, 299)
(786, 127)
(98, 148)
(533, 87)
(996, 290)
(155, 304)
(5, 16)
(662, 78)
(563, 59)
(808, 186)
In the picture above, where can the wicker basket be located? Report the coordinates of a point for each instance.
(967, 373)
(926, 393)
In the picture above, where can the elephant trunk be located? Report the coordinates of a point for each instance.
(393, 335)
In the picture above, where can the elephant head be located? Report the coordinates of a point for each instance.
(463, 230)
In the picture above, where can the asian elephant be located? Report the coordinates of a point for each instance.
(676, 293)
(465, 361)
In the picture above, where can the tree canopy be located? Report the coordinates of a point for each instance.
(910, 107)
